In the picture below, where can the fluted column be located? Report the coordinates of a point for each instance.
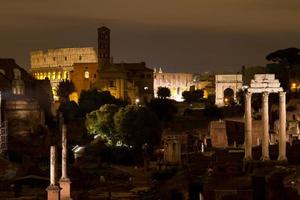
(282, 127)
(265, 121)
(248, 127)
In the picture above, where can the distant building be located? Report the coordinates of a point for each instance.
(176, 82)
(227, 86)
(56, 64)
(180, 82)
(26, 100)
(132, 82)
(84, 76)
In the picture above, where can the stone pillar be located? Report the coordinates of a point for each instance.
(248, 127)
(282, 127)
(53, 191)
(265, 121)
(64, 182)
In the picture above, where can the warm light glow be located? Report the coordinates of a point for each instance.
(137, 101)
(226, 100)
(294, 86)
(53, 75)
(74, 97)
(86, 74)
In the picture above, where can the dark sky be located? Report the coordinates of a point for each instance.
(177, 35)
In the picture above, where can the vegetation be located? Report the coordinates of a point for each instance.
(193, 96)
(165, 109)
(137, 126)
(91, 100)
(101, 122)
(163, 92)
(65, 88)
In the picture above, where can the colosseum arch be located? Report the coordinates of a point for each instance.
(224, 83)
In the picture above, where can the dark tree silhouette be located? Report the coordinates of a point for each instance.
(193, 96)
(65, 88)
(163, 92)
(91, 100)
(287, 68)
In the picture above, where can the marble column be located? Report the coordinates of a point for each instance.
(282, 127)
(64, 181)
(248, 127)
(265, 121)
(53, 190)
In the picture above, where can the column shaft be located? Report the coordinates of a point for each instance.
(52, 165)
(64, 152)
(248, 127)
(282, 126)
(265, 121)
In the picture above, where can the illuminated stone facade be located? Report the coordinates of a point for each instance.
(180, 82)
(176, 82)
(232, 82)
(84, 76)
(56, 64)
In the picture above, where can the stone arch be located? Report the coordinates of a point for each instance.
(227, 81)
(228, 95)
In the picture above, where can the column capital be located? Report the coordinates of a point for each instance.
(282, 93)
(265, 94)
(248, 94)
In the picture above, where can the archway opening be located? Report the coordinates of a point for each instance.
(228, 96)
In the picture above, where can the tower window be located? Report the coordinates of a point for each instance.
(54, 58)
(86, 75)
(66, 58)
(80, 57)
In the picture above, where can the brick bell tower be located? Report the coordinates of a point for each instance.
(103, 47)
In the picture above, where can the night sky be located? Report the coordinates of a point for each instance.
(177, 35)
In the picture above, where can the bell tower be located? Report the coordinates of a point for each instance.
(103, 47)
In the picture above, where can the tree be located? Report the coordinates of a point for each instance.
(101, 122)
(137, 126)
(163, 92)
(91, 100)
(289, 60)
(165, 109)
(65, 88)
(69, 109)
(193, 96)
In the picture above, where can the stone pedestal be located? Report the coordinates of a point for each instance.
(65, 185)
(53, 192)
(248, 127)
(265, 120)
(282, 127)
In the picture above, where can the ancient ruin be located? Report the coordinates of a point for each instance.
(64, 181)
(53, 189)
(265, 84)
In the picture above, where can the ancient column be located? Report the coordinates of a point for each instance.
(248, 127)
(64, 182)
(282, 127)
(53, 190)
(265, 121)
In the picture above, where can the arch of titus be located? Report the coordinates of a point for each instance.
(224, 81)
(265, 84)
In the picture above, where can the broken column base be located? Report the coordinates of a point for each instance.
(65, 185)
(53, 192)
